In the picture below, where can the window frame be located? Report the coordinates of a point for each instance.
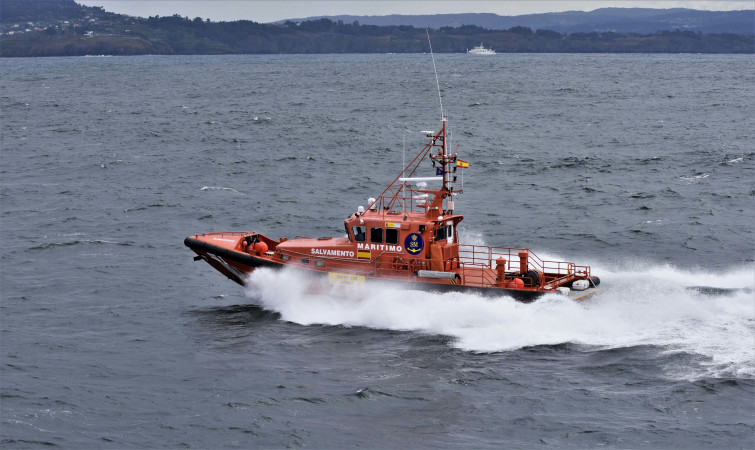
(392, 231)
(354, 233)
(441, 230)
(373, 230)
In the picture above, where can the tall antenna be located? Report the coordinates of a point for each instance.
(437, 83)
(403, 151)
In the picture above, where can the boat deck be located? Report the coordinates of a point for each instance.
(473, 266)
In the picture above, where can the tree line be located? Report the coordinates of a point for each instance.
(184, 36)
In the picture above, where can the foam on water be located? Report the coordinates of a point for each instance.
(220, 188)
(635, 308)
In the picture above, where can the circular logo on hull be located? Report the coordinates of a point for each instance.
(414, 244)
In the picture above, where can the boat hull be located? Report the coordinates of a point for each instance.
(237, 265)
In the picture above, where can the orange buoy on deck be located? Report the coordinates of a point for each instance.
(260, 247)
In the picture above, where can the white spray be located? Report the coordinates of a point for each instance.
(652, 307)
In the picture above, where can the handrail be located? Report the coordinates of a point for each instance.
(477, 274)
(385, 252)
(485, 255)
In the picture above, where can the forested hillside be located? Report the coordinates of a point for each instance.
(64, 28)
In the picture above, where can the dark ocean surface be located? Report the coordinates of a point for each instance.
(112, 337)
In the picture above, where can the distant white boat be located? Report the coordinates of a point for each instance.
(481, 50)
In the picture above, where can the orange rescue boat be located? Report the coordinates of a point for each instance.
(408, 234)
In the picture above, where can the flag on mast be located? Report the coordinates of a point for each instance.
(462, 164)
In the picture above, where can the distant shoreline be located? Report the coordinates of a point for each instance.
(40, 45)
(65, 28)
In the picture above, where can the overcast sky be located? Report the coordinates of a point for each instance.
(269, 11)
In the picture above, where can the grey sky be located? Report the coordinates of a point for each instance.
(268, 11)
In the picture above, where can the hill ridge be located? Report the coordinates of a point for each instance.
(65, 28)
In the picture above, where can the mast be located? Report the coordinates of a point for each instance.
(405, 197)
(437, 83)
(444, 158)
(444, 163)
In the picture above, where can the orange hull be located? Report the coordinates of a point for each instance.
(227, 253)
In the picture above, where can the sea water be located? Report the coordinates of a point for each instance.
(638, 165)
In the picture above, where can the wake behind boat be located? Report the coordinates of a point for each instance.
(408, 234)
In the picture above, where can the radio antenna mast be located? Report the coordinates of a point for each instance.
(437, 83)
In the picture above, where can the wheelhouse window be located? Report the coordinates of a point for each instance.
(358, 234)
(445, 232)
(440, 234)
(376, 235)
(391, 236)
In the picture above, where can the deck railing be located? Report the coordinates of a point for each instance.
(477, 265)
(484, 256)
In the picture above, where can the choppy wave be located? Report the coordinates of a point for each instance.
(651, 306)
(50, 245)
(220, 188)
